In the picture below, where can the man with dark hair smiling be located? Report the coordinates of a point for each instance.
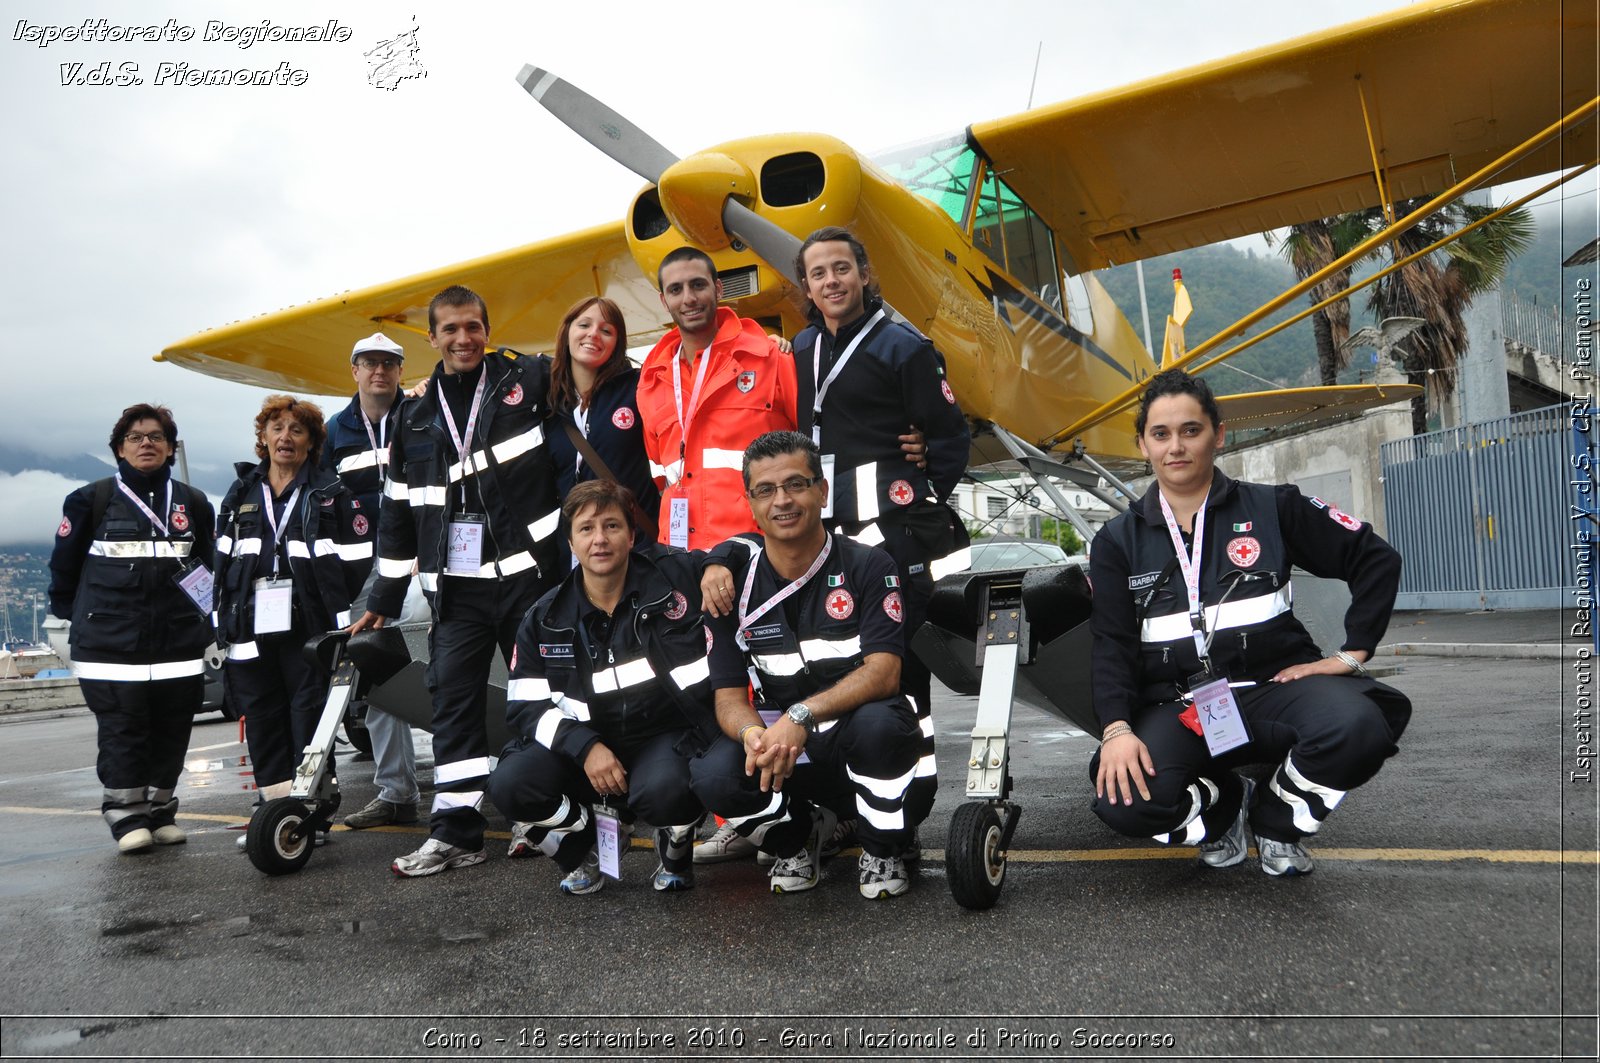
(470, 503)
(818, 626)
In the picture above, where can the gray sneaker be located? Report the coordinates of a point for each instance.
(586, 877)
(1284, 858)
(436, 856)
(1231, 849)
(381, 813)
(725, 844)
(882, 876)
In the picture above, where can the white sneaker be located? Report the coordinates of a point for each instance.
(726, 844)
(586, 878)
(792, 874)
(135, 841)
(882, 876)
(169, 834)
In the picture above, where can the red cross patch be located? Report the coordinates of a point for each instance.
(679, 606)
(623, 418)
(949, 396)
(1344, 518)
(840, 604)
(65, 529)
(358, 524)
(1244, 551)
(893, 606)
(513, 396)
(901, 494)
(180, 519)
(746, 381)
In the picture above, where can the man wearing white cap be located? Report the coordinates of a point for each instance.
(358, 450)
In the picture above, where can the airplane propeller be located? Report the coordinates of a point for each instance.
(641, 153)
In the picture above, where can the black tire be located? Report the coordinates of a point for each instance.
(271, 841)
(975, 860)
(356, 733)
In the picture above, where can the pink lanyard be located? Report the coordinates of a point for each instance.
(1189, 563)
(748, 616)
(159, 524)
(685, 416)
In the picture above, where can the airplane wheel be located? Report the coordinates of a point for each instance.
(975, 859)
(272, 842)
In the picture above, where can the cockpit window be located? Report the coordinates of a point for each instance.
(1017, 239)
(938, 170)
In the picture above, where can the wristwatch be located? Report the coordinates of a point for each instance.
(800, 713)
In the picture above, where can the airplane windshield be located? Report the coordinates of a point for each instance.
(937, 170)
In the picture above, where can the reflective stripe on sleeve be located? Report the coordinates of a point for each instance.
(529, 688)
(959, 561)
(507, 449)
(243, 651)
(395, 567)
(867, 491)
(545, 526)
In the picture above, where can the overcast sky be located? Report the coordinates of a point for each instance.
(139, 215)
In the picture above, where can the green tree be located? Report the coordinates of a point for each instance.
(1308, 247)
(1439, 287)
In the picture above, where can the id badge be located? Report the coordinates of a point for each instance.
(608, 840)
(1220, 723)
(274, 605)
(770, 717)
(465, 555)
(196, 584)
(678, 523)
(827, 474)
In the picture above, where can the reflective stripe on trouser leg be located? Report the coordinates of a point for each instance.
(163, 808)
(877, 748)
(1191, 830)
(572, 830)
(756, 826)
(126, 809)
(1291, 798)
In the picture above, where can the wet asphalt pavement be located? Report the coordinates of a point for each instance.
(1452, 915)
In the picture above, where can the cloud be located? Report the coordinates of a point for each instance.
(33, 506)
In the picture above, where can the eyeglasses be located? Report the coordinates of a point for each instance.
(136, 438)
(792, 486)
(372, 365)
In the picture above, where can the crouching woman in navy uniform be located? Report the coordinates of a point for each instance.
(138, 639)
(610, 697)
(1199, 665)
(291, 553)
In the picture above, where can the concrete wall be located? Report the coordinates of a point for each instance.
(36, 695)
(1342, 457)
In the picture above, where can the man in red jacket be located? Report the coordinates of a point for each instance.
(709, 387)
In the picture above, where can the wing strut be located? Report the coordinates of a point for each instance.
(1129, 395)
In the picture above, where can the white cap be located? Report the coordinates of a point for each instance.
(377, 343)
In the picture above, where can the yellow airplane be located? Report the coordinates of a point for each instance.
(985, 241)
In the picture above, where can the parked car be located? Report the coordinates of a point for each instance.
(991, 554)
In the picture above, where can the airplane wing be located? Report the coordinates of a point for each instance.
(1277, 136)
(527, 289)
(1306, 406)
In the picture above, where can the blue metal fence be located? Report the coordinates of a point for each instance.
(1482, 513)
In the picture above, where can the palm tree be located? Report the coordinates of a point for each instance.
(1439, 287)
(1309, 247)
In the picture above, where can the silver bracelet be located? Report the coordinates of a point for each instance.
(1109, 735)
(1355, 666)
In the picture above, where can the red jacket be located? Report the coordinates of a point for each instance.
(749, 389)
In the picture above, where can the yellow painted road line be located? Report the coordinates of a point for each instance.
(1018, 856)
